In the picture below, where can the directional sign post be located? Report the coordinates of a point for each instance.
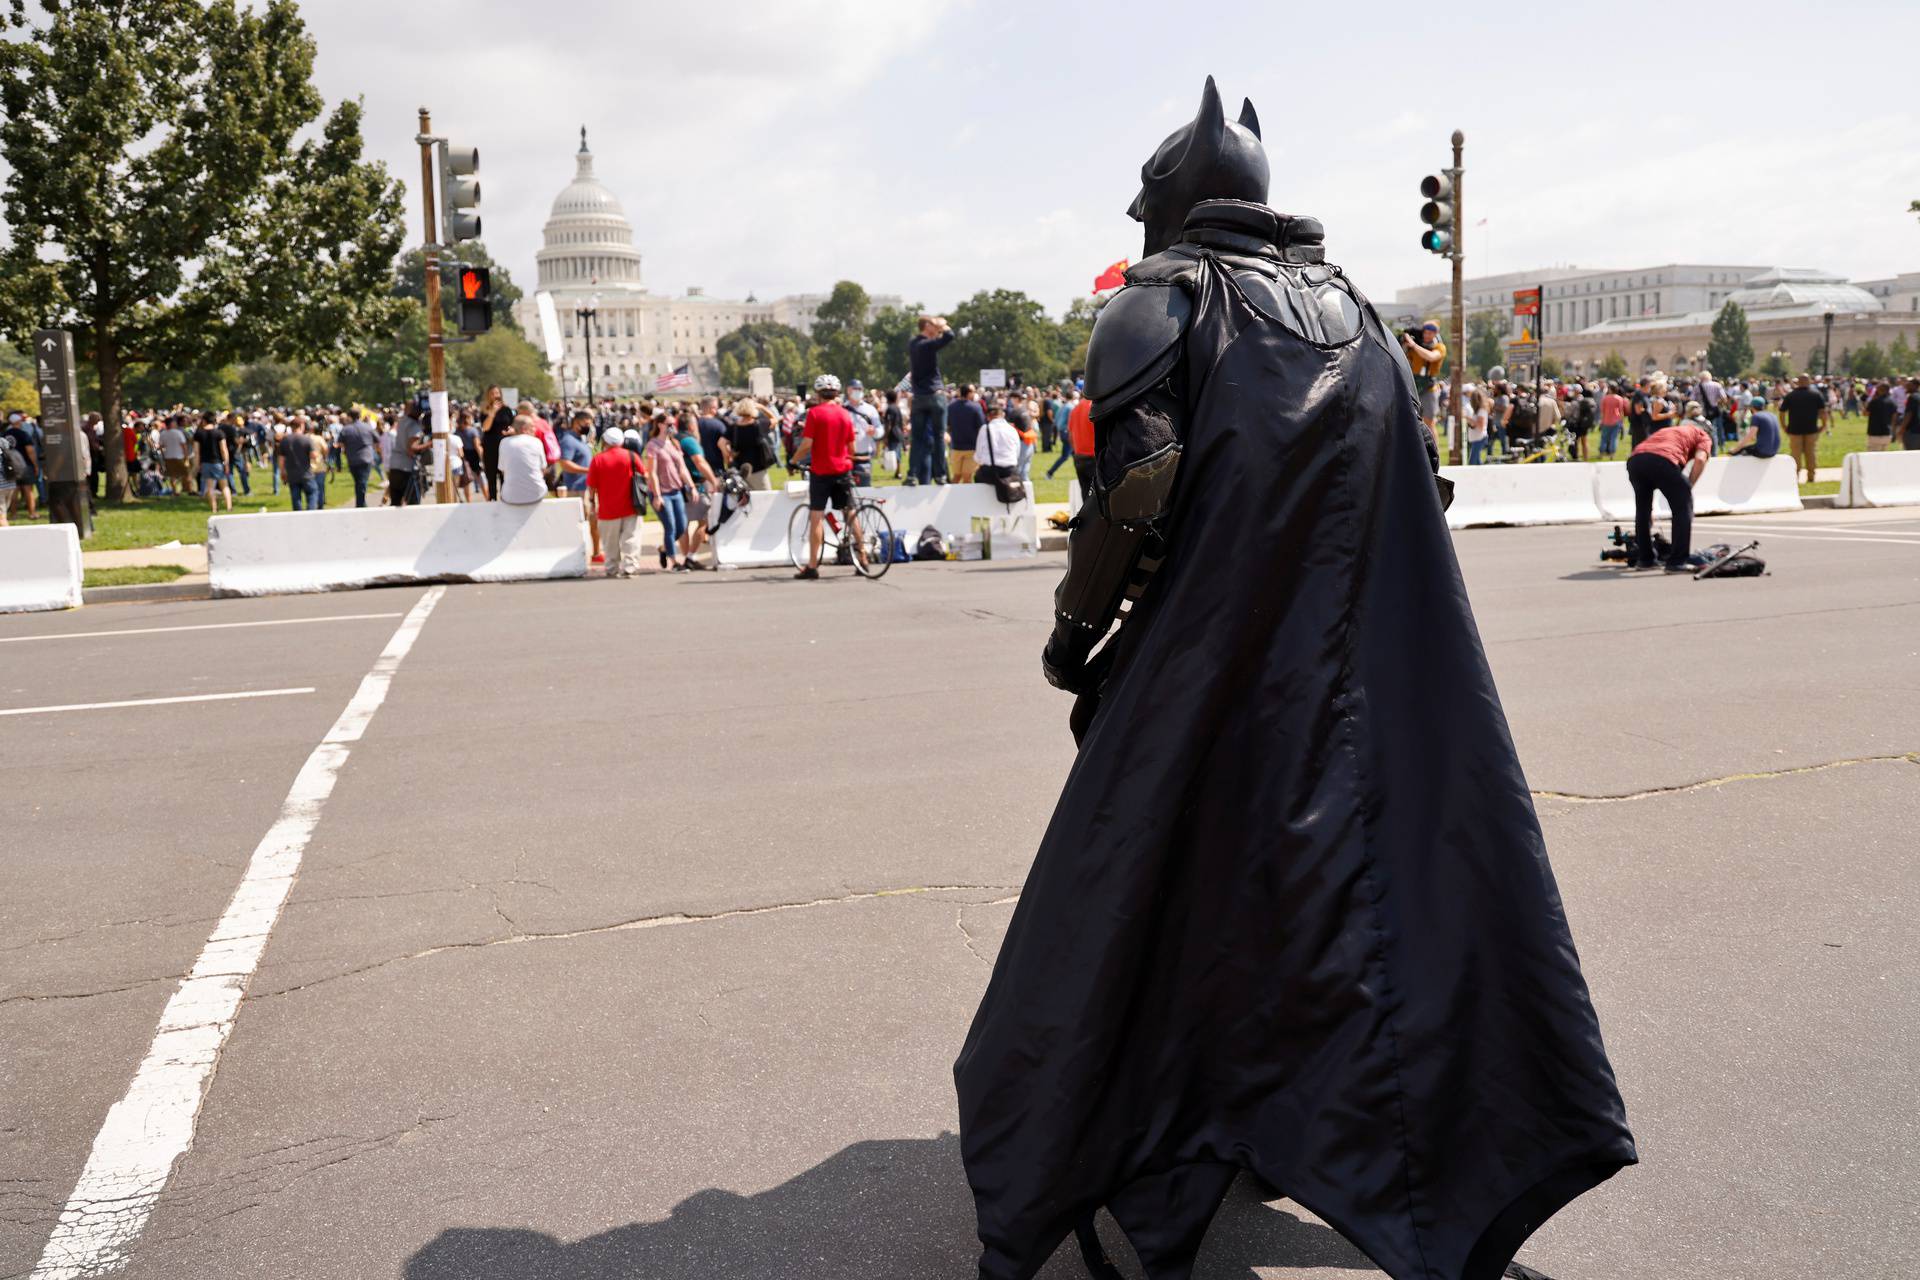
(65, 459)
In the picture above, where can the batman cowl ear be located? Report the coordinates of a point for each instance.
(1248, 119)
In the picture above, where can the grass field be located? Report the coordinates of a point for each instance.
(132, 575)
(154, 521)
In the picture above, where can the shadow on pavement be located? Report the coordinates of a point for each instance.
(895, 1209)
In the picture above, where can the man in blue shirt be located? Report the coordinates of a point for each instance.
(929, 457)
(1762, 438)
(965, 417)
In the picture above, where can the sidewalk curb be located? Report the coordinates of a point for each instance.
(193, 586)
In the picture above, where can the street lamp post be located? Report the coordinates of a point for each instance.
(588, 314)
(1826, 358)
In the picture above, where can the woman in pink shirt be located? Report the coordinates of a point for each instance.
(671, 482)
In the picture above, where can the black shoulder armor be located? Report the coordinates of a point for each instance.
(1135, 342)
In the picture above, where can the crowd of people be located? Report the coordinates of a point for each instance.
(622, 458)
(1591, 419)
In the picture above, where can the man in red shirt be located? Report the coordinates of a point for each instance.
(1655, 466)
(610, 477)
(827, 443)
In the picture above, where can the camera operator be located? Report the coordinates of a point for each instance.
(1426, 353)
(1655, 467)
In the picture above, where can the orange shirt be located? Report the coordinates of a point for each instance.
(1080, 427)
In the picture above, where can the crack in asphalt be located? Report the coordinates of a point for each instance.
(966, 934)
(666, 921)
(492, 888)
(1707, 784)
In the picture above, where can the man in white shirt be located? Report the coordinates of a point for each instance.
(867, 431)
(523, 465)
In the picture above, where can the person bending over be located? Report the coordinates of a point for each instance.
(1655, 466)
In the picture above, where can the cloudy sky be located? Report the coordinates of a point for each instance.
(936, 147)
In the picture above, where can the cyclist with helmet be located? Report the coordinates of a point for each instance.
(826, 445)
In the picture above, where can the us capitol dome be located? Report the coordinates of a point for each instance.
(587, 252)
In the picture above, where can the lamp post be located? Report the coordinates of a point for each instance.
(1826, 358)
(588, 314)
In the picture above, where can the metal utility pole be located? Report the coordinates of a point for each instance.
(436, 347)
(588, 314)
(1455, 401)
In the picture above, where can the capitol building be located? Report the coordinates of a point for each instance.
(588, 253)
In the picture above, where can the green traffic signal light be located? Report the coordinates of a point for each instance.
(1436, 241)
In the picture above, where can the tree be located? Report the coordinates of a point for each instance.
(1614, 366)
(1730, 349)
(782, 348)
(840, 333)
(1076, 331)
(18, 395)
(1004, 329)
(888, 334)
(1486, 342)
(1550, 367)
(1777, 365)
(270, 382)
(1900, 356)
(1870, 361)
(499, 358)
(159, 205)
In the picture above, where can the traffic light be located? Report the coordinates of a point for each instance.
(459, 193)
(476, 300)
(1437, 213)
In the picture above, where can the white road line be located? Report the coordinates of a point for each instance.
(152, 1126)
(205, 626)
(1767, 531)
(153, 702)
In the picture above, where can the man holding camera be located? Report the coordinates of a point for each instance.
(1426, 353)
(929, 460)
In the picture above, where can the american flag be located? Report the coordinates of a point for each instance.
(681, 377)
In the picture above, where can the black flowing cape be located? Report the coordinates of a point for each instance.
(1293, 913)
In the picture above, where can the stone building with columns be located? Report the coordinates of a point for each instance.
(588, 263)
(1661, 317)
(1788, 310)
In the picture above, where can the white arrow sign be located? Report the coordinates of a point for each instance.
(47, 343)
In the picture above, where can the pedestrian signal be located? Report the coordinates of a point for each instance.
(476, 300)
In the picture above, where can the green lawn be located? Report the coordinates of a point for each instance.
(153, 521)
(132, 575)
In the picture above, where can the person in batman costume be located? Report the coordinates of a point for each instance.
(1293, 913)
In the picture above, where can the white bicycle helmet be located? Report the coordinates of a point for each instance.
(827, 382)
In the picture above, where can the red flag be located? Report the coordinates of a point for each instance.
(1112, 278)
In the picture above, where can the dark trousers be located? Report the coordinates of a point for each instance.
(360, 470)
(403, 486)
(929, 460)
(1650, 473)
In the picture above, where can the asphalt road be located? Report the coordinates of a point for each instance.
(638, 932)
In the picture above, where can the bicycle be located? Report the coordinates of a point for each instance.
(873, 533)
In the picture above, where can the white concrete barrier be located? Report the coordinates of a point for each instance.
(282, 552)
(1521, 493)
(39, 568)
(1728, 487)
(1880, 479)
(757, 537)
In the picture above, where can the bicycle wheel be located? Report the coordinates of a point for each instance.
(797, 540)
(876, 540)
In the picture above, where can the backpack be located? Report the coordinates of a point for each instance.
(931, 545)
(13, 463)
